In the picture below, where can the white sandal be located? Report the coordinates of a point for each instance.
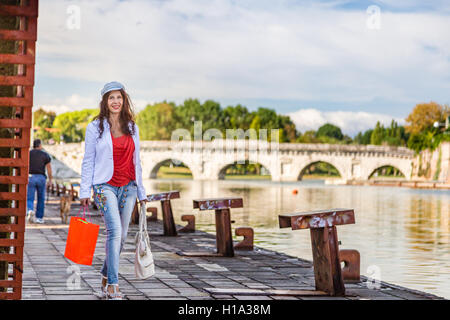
(102, 293)
(115, 295)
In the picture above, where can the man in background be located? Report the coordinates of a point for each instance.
(39, 161)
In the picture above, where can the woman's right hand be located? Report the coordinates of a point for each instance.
(84, 202)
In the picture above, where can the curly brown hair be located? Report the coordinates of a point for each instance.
(126, 114)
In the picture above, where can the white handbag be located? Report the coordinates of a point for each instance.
(144, 266)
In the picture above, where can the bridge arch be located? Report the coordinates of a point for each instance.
(372, 171)
(156, 167)
(339, 170)
(223, 168)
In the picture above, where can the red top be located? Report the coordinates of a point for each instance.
(123, 150)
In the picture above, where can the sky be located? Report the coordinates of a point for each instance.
(350, 63)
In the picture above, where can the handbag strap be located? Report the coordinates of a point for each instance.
(142, 218)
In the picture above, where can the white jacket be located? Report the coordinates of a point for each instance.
(98, 163)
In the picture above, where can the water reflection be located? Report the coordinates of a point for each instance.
(405, 232)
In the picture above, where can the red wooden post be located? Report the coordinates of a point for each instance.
(325, 244)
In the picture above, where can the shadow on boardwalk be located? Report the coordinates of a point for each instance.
(50, 276)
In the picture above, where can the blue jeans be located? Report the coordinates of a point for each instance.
(36, 182)
(116, 204)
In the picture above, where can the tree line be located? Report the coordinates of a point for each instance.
(157, 122)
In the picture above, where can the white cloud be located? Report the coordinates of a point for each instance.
(350, 122)
(224, 49)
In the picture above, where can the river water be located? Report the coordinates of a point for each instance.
(403, 235)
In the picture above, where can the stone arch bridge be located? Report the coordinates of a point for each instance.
(208, 160)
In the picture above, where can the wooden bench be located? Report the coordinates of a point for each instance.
(166, 208)
(325, 245)
(224, 241)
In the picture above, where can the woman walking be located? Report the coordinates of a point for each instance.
(112, 167)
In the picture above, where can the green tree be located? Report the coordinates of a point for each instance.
(157, 122)
(237, 117)
(377, 135)
(269, 120)
(308, 137)
(209, 113)
(43, 119)
(331, 131)
(72, 125)
(363, 138)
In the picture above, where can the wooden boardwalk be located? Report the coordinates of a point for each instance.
(50, 276)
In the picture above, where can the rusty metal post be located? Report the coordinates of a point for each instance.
(190, 227)
(248, 234)
(20, 59)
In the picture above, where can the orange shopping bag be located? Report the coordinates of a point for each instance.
(81, 240)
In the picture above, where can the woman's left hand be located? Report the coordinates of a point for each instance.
(143, 201)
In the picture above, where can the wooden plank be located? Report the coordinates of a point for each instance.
(14, 179)
(26, 102)
(12, 228)
(265, 292)
(199, 254)
(317, 219)
(10, 257)
(27, 59)
(224, 241)
(11, 243)
(17, 35)
(327, 267)
(163, 196)
(27, 80)
(15, 123)
(26, 11)
(168, 221)
(9, 283)
(218, 203)
(14, 143)
(8, 296)
(13, 196)
(5, 212)
(16, 163)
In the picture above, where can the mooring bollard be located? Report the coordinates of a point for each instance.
(352, 260)
(190, 227)
(154, 214)
(247, 243)
(325, 245)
